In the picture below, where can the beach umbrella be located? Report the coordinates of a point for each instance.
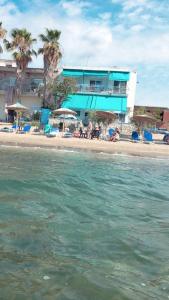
(64, 112)
(106, 114)
(144, 119)
(17, 107)
(67, 117)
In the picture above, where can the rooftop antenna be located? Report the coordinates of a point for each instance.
(87, 61)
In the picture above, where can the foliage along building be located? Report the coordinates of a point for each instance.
(102, 89)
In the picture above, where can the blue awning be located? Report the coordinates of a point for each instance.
(77, 73)
(96, 102)
(119, 76)
(72, 73)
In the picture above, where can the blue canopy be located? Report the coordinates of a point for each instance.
(96, 102)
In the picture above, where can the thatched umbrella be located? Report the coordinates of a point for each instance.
(17, 107)
(106, 114)
(144, 119)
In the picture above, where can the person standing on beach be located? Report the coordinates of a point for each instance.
(89, 130)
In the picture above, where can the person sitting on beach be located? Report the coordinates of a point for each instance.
(116, 135)
(95, 133)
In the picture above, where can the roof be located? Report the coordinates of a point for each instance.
(108, 69)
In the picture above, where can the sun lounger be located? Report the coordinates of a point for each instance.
(148, 137)
(47, 129)
(53, 132)
(25, 129)
(67, 135)
(6, 129)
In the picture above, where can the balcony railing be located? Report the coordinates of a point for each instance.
(28, 87)
(85, 88)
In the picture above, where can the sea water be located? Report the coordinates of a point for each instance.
(83, 226)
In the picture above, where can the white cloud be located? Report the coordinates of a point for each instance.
(74, 8)
(106, 16)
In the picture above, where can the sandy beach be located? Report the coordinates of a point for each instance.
(156, 149)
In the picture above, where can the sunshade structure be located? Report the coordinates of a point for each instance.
(108, 114)
(144, 119)
(67, 117)
(17, 107)
(64, 112)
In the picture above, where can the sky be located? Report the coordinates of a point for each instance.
(125, 33)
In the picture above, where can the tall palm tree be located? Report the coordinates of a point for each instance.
(2, 35)
(21, 46)
(51, 56)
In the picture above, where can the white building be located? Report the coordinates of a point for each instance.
(106, 89)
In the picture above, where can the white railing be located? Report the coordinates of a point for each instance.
(85, 88)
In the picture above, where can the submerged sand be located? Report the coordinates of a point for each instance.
(157, 149)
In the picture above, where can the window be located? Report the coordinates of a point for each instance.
(95, 85)
(119, 87)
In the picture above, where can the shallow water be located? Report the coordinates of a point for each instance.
(83, 226)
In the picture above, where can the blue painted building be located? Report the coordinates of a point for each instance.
(105, 89)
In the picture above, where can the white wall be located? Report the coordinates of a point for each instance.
(31, 102)
(131, 89)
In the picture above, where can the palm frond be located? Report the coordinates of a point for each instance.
(44, 38)
(40, 51)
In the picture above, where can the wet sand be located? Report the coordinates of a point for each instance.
(157, 149)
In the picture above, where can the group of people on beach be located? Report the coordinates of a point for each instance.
(91, 132)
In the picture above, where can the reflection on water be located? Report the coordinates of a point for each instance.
(96, 226)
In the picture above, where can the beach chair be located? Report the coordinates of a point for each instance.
(6, 129)
(135, 137)
(67, 135)
(47, 129)
(27, 128)
(148, 137)
(15, 127)
(111, 132)
(52, 132)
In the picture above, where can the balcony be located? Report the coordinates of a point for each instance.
(100, 89)
(28, 87)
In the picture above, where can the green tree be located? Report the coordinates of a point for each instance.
(62, 89)
(2, 35)
(59, 90)
(21, 46)
(51, 56)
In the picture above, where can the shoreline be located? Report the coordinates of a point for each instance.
(120, 148)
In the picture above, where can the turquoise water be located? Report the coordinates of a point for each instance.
(83, 226)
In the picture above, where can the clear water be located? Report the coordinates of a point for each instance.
(83, 226)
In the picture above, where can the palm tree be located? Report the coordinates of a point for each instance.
(51, 57)
(21, 47)
(2, 35)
